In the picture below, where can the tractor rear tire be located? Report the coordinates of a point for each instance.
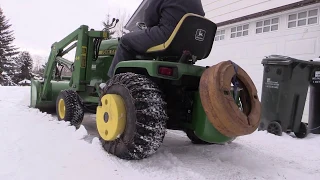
(70, 108)
(194, 139)
(146, 116)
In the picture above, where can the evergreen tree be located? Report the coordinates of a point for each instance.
(24, 67)
(106, 24)
(123, 17)
(7, 51)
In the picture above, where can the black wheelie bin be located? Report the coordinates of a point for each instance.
(314, 100)
(284, 91)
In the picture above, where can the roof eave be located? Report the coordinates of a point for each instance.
(142, 4)
(269, 12)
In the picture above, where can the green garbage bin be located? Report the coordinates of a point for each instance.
(284, 90)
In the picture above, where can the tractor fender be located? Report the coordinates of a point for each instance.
(150, 68)
(219, 105)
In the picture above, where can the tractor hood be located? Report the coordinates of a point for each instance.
(108, 47)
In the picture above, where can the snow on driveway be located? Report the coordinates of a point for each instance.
(35, 146)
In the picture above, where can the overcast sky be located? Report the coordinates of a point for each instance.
(39, 23)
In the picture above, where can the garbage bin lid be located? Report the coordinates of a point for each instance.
(284, 60)
(315, 62)
(278, 59)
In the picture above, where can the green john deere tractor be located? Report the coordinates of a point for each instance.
(158, 90)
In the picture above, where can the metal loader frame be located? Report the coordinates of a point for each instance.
(87, 47)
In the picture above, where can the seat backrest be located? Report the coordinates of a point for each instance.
(193, 33)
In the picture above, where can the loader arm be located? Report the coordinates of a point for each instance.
(63, 61)
(87, 42)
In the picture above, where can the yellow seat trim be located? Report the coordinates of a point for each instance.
(164, 46)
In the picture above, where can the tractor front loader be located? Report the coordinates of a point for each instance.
(161, 89)
(71, 96)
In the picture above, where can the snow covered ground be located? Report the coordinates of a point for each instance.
(35, 146)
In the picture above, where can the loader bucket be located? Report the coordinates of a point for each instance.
(35, 86)
(48, 103)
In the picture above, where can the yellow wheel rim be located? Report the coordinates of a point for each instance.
(62, 109)
(111, 117)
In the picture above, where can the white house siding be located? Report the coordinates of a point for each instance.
(248, 51)
(222, 10)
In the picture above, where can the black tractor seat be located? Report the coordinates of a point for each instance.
(192, 37)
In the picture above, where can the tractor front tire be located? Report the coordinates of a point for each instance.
(70, 108)
(145, 111)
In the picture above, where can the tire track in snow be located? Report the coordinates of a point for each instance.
(242, 159)
(257, 156)
(238, 160)
(163, 161)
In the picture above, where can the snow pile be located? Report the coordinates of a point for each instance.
(36, 146)
(25, 81)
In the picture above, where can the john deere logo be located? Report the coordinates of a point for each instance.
(200, 34)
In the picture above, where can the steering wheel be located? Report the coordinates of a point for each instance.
(141, 25)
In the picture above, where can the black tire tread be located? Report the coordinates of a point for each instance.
(74, 107)
(194, 139)
(150, 120)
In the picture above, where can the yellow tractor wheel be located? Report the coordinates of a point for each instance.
(111, 117)
(131, 117)
(69, 107)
